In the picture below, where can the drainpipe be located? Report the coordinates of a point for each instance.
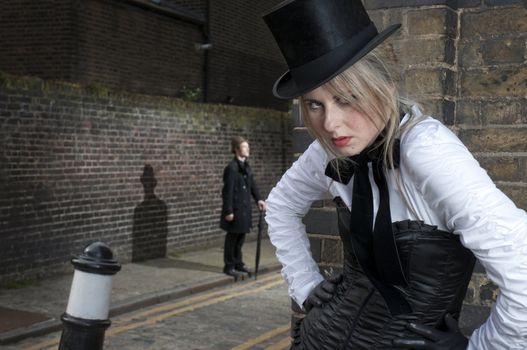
(206, 38)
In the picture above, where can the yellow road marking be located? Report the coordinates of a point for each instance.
(120, 329)
(281, 345)
(194, 299)
(260, 339)
(175, 309)
(52, 343)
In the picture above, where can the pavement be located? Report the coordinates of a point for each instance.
(35, 309)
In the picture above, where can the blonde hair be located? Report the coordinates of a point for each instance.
(369, 87)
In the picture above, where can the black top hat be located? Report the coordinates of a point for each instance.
(319, 39)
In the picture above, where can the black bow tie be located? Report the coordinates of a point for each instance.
(342, 169)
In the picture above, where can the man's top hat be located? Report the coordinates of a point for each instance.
(319, 39)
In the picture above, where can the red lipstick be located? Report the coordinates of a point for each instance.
(340, 141)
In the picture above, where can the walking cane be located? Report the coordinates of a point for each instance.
(258, 244)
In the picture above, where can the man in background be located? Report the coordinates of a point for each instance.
(236, 213)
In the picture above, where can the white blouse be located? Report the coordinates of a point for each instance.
(444, 186)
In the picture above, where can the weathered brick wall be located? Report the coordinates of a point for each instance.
(491, 104)
(245, 60)
(128, 47)
(424, 48)
(197, 6)
(115, 43)
(466, 62)
(36, 38)
(71, 159)
(145, 47)
(492, 93)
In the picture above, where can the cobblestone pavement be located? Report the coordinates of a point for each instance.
(247, 315)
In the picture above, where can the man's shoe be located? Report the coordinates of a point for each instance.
(234, 273)
(244, 269)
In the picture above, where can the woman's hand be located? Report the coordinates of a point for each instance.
(433, 339)
(322, 293)
(229, 217)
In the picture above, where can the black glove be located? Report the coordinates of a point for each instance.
(323, 292)
(434, 339)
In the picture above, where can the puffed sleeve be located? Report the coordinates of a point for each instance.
(287, 204)
(461, 193)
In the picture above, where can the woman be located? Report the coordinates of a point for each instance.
(414, 206)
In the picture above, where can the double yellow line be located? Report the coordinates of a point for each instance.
(162, 312)
(283, 344)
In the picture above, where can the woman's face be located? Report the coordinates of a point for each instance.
(335, 120)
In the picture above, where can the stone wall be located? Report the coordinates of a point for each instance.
(466, 62)
(71, 171)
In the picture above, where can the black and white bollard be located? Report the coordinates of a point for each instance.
(86, 317)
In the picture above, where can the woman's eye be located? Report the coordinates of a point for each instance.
(341, 102)
(313, 105)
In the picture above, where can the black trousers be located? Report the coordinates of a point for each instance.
(232, 252)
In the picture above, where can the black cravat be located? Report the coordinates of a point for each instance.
(374, 245)
(342, 170)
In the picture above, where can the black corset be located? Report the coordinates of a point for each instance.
(437, 268)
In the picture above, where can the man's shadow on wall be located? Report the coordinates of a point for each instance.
(150, 230)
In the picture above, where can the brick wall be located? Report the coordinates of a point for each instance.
(72, 158)
(125, 46)
(197, 6)
(492, 92)
(115, 43)
(36, 38)
(245, 60)
(466, 61)
(140, 46)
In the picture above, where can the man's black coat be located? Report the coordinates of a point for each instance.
(238, 186)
